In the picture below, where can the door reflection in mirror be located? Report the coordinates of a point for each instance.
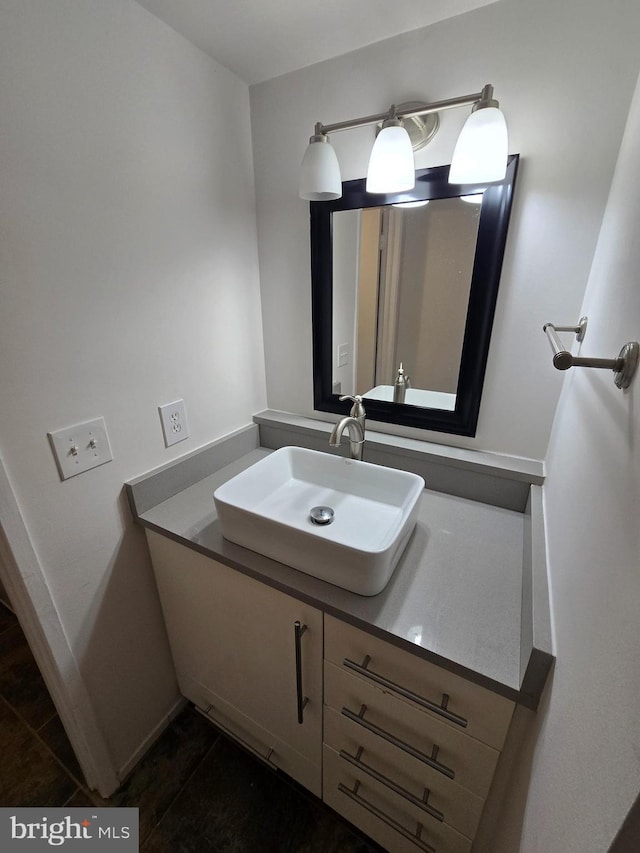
(401, 279)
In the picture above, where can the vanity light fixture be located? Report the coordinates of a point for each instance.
(481, 151)
(320, 172)
(480, 155)
(391, 165)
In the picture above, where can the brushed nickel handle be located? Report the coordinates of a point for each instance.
(441, 710)
(414, 837)
(300, 698)
(430, 760)
(230, 733)
(356, 761)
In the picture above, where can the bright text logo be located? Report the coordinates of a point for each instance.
(27, 829)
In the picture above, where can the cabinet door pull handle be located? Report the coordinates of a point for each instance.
(430, 760)
(301, 700)
(362, 669)
(356, 761)
(234, 736)
(360, 800)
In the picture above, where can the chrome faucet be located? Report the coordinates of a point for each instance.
(354, 424)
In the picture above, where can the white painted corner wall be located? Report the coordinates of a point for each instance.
(550, 63)
(582, 771)
(129, 278)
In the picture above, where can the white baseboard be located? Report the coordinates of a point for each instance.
(151, 738)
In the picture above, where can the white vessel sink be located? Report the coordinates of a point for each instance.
(267, 509)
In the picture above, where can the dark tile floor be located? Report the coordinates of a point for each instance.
(195, 789)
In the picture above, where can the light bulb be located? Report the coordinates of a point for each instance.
(481, 152)
(410, 204)
(391, 166)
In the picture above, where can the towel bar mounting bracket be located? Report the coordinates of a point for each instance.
(624, 366)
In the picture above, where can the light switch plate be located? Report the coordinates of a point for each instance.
(81, 447)
(174, 422)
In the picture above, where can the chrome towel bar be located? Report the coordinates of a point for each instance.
(624, 366)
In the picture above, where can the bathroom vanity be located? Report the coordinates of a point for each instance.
(395, 708)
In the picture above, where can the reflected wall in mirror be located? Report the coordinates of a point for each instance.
(408, 280)
(401, 281)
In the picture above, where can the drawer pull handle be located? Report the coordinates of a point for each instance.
(430, 760)
(230, 733)
(415, 837)
(362, 669)
(356, 761)
(301, 700)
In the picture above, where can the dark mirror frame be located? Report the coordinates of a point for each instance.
(492, 235)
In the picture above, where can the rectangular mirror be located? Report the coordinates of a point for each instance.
(408, 280)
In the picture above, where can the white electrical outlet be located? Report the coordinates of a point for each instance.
(174, 422)
(81, 447)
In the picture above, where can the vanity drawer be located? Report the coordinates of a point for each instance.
(382, 814)
(375, 757)
(439, 750)
(471, 709)
(252, 735)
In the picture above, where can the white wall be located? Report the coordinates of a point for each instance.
(564, 73)
(129, 277)
(584, 770)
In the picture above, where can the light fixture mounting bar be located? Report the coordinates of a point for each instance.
(422, 109)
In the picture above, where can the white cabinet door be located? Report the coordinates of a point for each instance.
(236, 637)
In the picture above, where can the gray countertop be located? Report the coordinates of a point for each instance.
(455, 596)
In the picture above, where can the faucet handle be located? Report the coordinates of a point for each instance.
(357, 410)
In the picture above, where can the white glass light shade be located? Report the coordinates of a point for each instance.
(320, 173)
(480, 155)
(391, 165)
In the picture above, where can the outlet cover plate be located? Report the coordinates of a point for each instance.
(342, 355)
(173, 417)
(81, 447)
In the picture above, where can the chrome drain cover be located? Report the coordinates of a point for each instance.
(321, 515)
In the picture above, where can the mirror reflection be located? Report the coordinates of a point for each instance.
(403, 298)
(401, 281)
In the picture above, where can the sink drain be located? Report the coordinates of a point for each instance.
(321, 515)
